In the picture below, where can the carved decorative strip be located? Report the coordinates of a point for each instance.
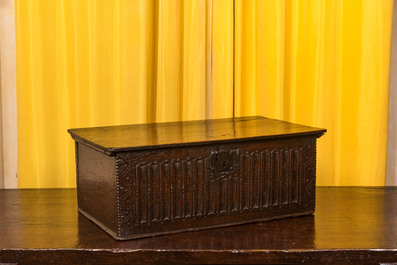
(161, 188)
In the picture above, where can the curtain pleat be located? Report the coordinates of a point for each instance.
(84, 63)
(96, 63)
(324, 64)
(222, 59)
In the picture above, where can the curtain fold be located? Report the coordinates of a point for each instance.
(324, 64)
(95, 63)
(87, 63)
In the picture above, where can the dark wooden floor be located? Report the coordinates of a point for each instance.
(350, 226)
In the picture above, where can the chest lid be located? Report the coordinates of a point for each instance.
(113, 139)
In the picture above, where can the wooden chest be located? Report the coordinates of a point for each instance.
(151, 179)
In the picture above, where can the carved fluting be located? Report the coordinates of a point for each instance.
(170, 188)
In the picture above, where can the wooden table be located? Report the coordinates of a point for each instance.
(350, 226)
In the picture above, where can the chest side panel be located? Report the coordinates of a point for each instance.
(96, 187)
(213, 185)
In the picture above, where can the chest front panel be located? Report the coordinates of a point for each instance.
(175, 189)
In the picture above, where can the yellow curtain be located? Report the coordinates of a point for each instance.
(325, 64)
(97, 62)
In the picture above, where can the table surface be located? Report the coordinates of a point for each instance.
(351, 225)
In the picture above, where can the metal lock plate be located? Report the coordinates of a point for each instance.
(221, 161)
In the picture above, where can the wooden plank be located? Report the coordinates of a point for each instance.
(112, 139)
(351, 226)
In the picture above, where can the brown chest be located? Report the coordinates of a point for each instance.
(151, 179)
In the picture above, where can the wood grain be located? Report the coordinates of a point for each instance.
(145, 136)
(350, 226)
(195, 175)
(168, 190)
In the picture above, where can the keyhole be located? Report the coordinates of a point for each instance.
(224, 164)
(216, 157)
